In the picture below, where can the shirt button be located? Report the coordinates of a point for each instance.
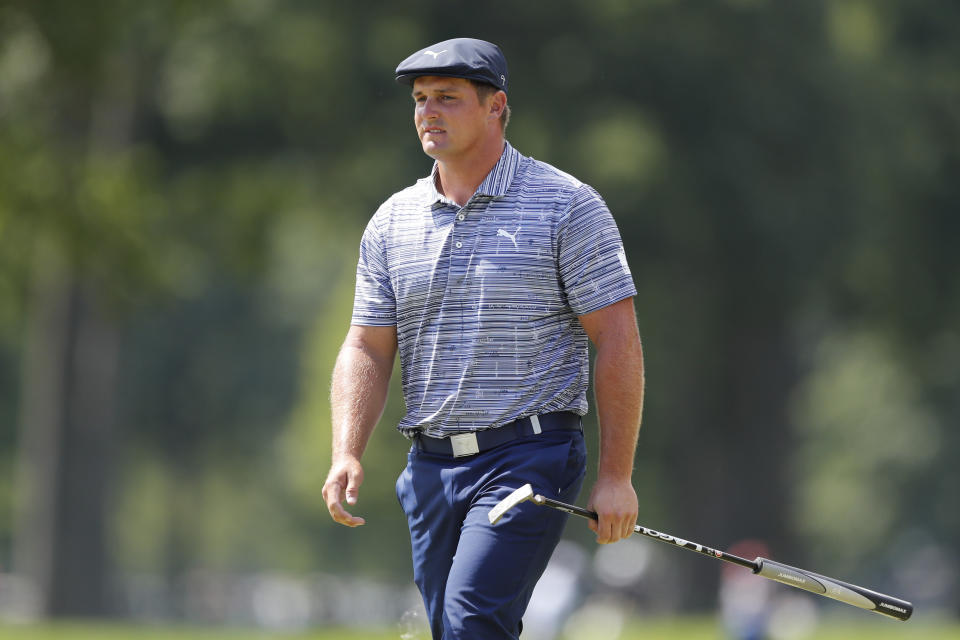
(459, 245)
(461, 217)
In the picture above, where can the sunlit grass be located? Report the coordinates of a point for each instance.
(690, 628)
(91, 631)
(870, 629)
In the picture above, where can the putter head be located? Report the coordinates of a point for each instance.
(522, 494)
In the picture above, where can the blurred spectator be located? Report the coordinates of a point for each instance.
(557, 594)
(745, 599)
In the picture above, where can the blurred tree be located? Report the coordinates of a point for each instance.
(98, 231)
(70, 207)
(858, 399)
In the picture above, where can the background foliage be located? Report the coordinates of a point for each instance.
(182, 190)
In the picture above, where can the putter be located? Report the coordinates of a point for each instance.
(800, 578)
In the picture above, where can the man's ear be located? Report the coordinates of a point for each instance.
(498, 103)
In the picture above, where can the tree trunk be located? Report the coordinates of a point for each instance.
(68, 397)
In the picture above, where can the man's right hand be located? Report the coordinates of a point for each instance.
(343, 481)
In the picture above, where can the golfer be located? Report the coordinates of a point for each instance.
(490, 277)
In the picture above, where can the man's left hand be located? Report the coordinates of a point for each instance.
(615, 502)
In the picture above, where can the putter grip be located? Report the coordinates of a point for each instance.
(843, 591)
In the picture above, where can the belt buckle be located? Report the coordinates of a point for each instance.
(464, 444)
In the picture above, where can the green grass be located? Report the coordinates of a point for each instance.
(879, 629)
(660, 629)
(106, 631)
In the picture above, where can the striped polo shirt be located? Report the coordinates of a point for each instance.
(485, 297)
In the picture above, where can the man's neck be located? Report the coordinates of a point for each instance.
(458, 179)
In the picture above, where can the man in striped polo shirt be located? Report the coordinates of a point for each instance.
(490, 277)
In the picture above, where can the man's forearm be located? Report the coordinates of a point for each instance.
(358, 395)
(618, 383)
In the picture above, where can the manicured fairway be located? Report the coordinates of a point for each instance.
(662, 629)
(872, 629)
(84, 631)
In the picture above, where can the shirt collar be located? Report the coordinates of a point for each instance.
(497, 181)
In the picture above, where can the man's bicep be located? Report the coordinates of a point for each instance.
(380, 342)
(614, 323)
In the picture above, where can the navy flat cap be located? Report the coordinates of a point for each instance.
(458, 58)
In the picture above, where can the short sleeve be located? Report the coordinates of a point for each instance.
(593, 264)
(374, 302)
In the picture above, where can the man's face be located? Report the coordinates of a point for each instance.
(449, 117)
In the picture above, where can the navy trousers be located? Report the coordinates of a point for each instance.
(476, 579)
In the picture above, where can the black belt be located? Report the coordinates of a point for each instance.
(474, 442)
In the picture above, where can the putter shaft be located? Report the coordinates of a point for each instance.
(792, 576)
